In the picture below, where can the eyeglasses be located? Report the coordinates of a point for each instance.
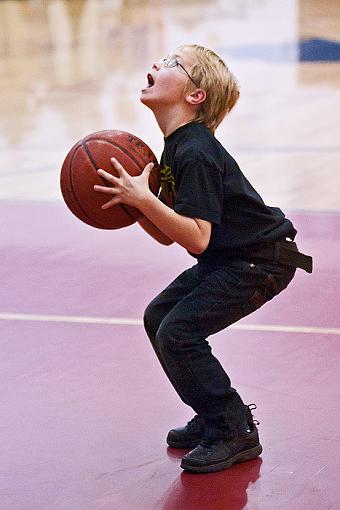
(173, 62)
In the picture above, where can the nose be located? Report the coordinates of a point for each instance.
(156, 65)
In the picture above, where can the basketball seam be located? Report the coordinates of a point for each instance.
(115, 144)
(75, 198)
(96, 167)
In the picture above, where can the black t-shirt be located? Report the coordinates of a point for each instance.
(200, 179)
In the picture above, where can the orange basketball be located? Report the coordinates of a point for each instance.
(79, 175)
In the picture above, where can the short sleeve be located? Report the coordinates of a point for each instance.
(199, 191)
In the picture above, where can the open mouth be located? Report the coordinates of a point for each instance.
(151, 81)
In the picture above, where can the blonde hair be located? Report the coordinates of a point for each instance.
(221, 86)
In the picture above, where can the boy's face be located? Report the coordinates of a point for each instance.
(165, 85)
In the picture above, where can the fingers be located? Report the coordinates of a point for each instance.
(121, 171)
(107, 176)
(108, 190)
(111, 203)
(104, 189)
(123, 187)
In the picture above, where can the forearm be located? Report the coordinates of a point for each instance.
(149, 227)
(191, 233)
(181, 229)
(153, 231)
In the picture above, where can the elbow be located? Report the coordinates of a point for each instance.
(199, 247)
(199, 243)
(166, 242)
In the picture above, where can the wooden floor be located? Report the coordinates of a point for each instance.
(77, 431)
(69, 68)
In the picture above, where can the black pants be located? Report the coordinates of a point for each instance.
(200, 302)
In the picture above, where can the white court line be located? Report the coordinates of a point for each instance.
(139, 322)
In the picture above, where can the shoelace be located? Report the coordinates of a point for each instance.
(210, 434)
(251, 408)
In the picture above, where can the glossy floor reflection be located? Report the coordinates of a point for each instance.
(85, 406)
(69, 68)
(221, 490)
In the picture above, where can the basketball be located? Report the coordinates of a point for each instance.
(79, 175)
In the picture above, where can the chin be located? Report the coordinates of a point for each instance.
(147, 101)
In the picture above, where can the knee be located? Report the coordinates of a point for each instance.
(151, 321)
(168, 340)
(176, 340)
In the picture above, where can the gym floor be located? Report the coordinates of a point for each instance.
(85, 407)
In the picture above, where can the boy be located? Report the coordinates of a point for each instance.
(245, 251)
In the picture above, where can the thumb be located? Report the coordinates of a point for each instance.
(148, 169)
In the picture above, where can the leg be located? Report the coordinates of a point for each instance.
(162, 304)
(223, 297)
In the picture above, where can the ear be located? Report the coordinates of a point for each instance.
(196, 97)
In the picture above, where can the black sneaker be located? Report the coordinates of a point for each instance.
(187, 437)
(217, 454)
(191, 435)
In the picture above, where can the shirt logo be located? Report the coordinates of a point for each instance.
(168, 186)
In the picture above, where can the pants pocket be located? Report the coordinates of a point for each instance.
(270, 288)
(257, 300)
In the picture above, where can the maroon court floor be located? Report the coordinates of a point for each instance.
(85, 407)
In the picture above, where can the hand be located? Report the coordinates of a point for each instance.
(125, 188)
